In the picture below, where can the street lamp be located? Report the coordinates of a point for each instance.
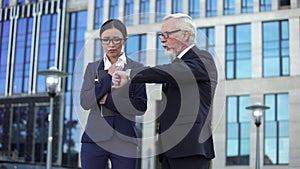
(257, 112)
(52, 79)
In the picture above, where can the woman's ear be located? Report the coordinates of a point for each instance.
(124, 40)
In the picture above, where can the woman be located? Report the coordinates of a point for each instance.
(110, 132)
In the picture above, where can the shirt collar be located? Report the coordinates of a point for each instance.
(184, 51)
(107, 63)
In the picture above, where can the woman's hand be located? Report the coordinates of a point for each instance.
(113, 68)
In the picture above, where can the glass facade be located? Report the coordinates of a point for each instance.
(194, 8)
(177, 6)
(113, 9)
(128, 12)
(23, 56)
(47, 48)
(211, 8)
(229, 7)
(238, 51)
(237, 130)
(72, 128)
(247, 6)
(265, 5)
(206, 39)
(135, 48)
(144, 11)
(160, 10)
(276, 137)
(276, 57)
(98, 14)
(4, 42)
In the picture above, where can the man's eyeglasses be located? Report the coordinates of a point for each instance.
(167, 34)
(115, 41)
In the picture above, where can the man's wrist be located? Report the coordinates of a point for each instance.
(128, 74)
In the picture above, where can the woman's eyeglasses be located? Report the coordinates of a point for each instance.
(167, 34)
(115, 41)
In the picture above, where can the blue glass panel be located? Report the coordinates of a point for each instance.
(194, 8)
(270, 150)
(243, 69)
(4, 41)
(284, 151)
(283, 106)
(265, 5)
(244, 115)
(114, 9)
(245, 147)
(232, 130)
(232, 109)
(160, 10)
(211, 8)
(177, 6)
(270, 129)
(98, 14)
(245, 130)
(128, 12)
(144, 11)
(284, 128)
(229, 70)
(247, 6)
(232, 147)
(271, 67)
(229, 7)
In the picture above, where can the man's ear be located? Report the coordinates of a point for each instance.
(186, 35)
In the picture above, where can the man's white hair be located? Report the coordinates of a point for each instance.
(184, 22)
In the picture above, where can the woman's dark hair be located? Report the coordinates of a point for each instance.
(114, 23)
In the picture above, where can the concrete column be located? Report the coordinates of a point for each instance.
(256, 6)
(238, 7)
(256, 49)
(294, 27)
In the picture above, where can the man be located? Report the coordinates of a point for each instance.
(189, 84)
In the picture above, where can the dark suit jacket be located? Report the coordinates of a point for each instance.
(101, 124)
(188, 84)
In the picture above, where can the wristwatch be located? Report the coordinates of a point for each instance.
(128, 74)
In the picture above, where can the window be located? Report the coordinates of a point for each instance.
(206, 39)
(4, 41)
(284, 4)
(23, 52)
(194, 8)
(237, 130)
(177, 6)
(144, 11)
(18, 131)
(5, 3)
(238, 51)
(47, 45)
(247, 6)
(211, 8)
(265, 5)
(21, 2)
(98, 14)
(136, 48)
(128, 12)
(114, 9)
(2, 123)
(276, 129)
(276, 59)
(98, 50)
(72, 128)
(161, 58)
(160, 10)
(229, 7)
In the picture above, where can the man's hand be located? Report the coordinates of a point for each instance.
(119, 79)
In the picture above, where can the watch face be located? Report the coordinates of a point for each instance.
(120, 63)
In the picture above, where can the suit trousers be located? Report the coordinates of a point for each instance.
(191, 162)
(93, 156)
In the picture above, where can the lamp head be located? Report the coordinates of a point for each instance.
(52, 79)
(257, 112)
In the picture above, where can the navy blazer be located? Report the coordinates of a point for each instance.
(189, 85)
(101, 126)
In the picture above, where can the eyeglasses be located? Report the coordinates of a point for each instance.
(115, 41)
(167, 34)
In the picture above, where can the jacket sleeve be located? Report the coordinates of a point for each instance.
(91, 91)
(131, 99)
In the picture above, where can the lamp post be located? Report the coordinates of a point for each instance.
(52, 79)
(257, 112)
